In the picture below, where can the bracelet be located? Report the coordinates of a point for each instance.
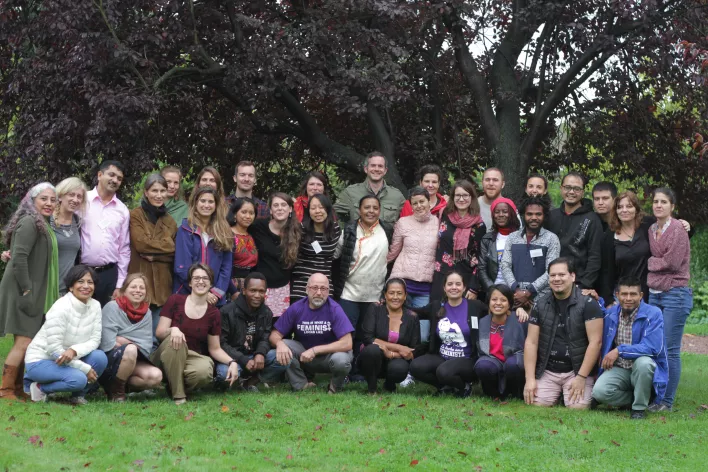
(232, 361)
(313, 351)
(582, 376)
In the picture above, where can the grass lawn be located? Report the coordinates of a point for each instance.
(697, 329)
(351, 431)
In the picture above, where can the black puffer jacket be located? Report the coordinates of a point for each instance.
(234, 318)
(348, 247)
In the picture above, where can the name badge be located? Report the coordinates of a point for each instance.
(536, 253)
(474, 323)
(316, 247)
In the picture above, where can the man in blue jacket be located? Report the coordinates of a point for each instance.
(633, 352)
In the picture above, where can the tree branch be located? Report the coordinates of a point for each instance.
(528, 80)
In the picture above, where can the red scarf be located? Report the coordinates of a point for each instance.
(463, 229)
(135, 315)
(300, 206)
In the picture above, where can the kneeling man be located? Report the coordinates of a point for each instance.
(563, 342)
(323, 337)
(633, 355)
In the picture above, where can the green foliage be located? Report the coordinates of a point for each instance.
(699, 276)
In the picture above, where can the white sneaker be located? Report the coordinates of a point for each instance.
(36, 393)
(78, 401)
(408, 381)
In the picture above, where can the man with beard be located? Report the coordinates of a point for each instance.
(633, 352)
(246, 324)
(492, 186)
(105, 232)
(322, 337)
(528, 252)
(392, 200)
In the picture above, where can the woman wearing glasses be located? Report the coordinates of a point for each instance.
(459, 240)
(189, 332)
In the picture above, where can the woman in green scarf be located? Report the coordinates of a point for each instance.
(176, 206)
(30, 284)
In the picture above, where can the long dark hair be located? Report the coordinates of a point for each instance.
(319, 176)
(441, 311)
(291, 232)
(236, 207)
(331, 228)
(505, 291)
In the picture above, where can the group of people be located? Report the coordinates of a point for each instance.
(447, 289)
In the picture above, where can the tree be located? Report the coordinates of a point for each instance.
(464, 84)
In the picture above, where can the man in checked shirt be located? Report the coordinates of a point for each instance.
(634, 367)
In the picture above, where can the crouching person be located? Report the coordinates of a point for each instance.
(634, 363)
(246, 324)
(127, 341)
(323, 338)
(64, 355)
(563, 342)
(189, 331)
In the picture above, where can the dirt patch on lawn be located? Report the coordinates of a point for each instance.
(694, 344)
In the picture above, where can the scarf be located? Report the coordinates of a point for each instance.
(178, 210)
(53, 274)
(505, 231)
(300, 206)
(463, 230)
(152, 212)
(135, 315)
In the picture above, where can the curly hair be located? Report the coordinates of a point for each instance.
(544, 201)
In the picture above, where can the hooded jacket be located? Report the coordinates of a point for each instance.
(190, 249)
(580, 235)
(647, 340)
(234, 319)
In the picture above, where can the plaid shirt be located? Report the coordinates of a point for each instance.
(624, 336)
(262, 210)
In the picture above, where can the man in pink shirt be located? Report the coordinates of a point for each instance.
(105, 232)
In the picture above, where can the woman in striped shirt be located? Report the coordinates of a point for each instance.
(320, 244)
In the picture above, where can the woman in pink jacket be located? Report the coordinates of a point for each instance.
(415, 239)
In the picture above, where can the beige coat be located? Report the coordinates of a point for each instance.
(413, 247)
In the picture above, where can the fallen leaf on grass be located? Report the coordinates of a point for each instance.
(61, 440)
(401, 405)
(462, 453)
(12, 418)
(224, 409)
(289, 456)
(705, 407)
(223, 453)
(318, 427)
(87, 464)
(602, 450)
(422, 417)
(36, 440)
(585, 431)
(553, 431)
(189, 416)
(138, 462)
(268, 415)
(616, 443)
(382, 451)
(413, 463)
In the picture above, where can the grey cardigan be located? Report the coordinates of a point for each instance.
(116, 323)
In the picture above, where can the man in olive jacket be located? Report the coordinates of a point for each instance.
(246, 324)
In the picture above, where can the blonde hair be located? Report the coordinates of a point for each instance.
(69, 185)
(218, 228)
(130, 278)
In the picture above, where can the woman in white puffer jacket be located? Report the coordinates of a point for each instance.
(64, 355)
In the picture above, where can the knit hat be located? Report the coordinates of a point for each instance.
(503, 200)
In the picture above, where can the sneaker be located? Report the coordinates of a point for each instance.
(637, 415)
(251, 388)
(408, 382)
(36, 393)
(464, 393)
(356, 378)
(658, 407)
(80, 400)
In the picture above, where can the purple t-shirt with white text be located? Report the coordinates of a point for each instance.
(324, 325)
(454, 332)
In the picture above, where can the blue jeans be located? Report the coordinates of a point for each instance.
(53, 378)
(419, 301)
(272, 371)
(676, 305)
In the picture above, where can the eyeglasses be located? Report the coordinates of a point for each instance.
(462, 197)
(197, 278)
(318, 289)
(570, 188)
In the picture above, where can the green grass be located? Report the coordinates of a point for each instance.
(351, 431)
(697, 329)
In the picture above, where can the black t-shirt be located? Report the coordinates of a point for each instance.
(270, 263)
(559, 361)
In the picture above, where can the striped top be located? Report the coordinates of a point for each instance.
(311, 261)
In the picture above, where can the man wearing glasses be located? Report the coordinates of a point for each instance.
(579, 230)
(322, 341)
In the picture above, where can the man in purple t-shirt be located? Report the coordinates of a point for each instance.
(323, 339)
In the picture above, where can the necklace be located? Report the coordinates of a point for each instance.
(630, 236)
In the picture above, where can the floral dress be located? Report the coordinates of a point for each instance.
(445, 259)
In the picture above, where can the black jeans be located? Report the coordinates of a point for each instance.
(107, 280)
(439, 372)
(373, 365)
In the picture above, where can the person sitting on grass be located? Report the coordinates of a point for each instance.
(391, 334)
(563, 342)
(127, 341)
(189, 331)
(246, 324)
(449, 363)
(322, 338)
(634, 363)
(500, 366)
(64, 355)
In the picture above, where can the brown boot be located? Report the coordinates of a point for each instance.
(19, 384)
(9, 375)
(116, 390)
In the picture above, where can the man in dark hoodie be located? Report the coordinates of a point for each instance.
(579, 230)
(246, 324)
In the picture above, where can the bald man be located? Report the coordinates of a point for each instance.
(322, 341)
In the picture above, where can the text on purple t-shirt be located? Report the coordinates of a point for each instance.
(323, 325)
(454, 332)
